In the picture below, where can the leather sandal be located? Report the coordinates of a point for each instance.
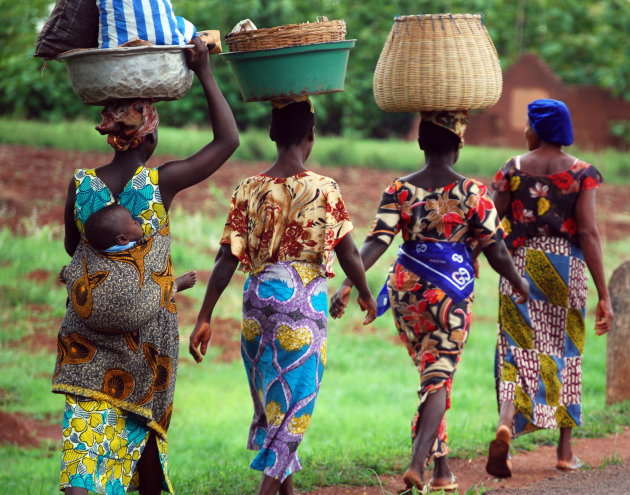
(572, 465)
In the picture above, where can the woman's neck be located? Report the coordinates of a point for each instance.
(290, 161)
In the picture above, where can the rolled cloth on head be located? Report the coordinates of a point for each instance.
(283, 102)
(551, 121)
(455, 121)
(127, 123)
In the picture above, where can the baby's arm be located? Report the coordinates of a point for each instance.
(350, 261)
(500, 260)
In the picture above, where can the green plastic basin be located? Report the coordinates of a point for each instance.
(296, 70)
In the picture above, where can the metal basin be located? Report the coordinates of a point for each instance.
(291, 71)
(102, 75)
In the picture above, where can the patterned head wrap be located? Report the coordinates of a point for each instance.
(551, 121)
(283, 102)
(127, 123)
(455, 122)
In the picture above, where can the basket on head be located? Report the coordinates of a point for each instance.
(437, 62)
(306, 33)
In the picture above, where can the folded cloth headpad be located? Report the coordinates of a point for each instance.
(154, 21)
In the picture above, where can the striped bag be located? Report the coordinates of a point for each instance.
(154, 21)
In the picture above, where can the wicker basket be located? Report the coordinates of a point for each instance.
(437, 62)
(306, 33)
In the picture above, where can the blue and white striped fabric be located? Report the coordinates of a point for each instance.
(154, 21)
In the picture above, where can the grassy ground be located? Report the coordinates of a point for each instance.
(255, 145)
(368, 397)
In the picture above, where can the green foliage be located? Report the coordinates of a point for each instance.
(583, 42)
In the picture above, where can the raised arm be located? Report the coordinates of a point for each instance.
(590, 242)
(224, 267)
(177, 175)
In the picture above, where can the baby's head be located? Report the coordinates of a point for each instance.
(111, 226)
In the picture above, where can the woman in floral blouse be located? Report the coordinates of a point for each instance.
(283, 227)
(443, 216)
(547, 200)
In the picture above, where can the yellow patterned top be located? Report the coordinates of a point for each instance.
(297, 218)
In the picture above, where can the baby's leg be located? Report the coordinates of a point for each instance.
(186, 281)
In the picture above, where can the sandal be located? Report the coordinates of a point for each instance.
(572, 465)
(499, 464)
(412, 480)
(446, 484)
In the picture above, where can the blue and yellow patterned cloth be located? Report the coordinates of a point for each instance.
(141, 196)
(101, 447)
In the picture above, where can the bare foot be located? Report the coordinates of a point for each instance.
(413, 480)
(186, 281)
(499, 464)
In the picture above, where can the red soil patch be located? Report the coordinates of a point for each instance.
(528, 468)
(24, 431)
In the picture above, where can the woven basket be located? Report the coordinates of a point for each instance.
(437, 62)
(306, 33)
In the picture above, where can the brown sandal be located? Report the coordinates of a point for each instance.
(572, 465)
(499, 464)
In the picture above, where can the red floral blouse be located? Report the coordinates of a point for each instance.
(297, 218)
(459, 212)
(543, 205)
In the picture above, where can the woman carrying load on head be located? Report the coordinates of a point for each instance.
(119, 386)
(442, 216)
(547, 201)
(283, 227)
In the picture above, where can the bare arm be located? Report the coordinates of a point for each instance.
(370, 252)
(501, 202)
(590, 242)
(500, 260)
(177, 175)
(72, 235)
(224, 267)
(350, 261)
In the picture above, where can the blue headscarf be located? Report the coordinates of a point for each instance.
(551, 121)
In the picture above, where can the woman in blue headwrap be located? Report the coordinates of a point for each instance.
(547, 201)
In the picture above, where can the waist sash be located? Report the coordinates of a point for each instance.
(447, 265)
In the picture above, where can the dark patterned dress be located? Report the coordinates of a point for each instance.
(283, 231)
(540, 343)
(433, 326)
(119, 386)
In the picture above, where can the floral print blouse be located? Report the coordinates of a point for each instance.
(459, 212)
(297, 218)
(543, 205)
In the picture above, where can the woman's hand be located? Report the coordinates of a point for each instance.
(197, 57)
(368, 304)
(522, 289)
(200, 336)
(603, 316)
(339, 301)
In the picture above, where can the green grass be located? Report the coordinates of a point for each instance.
(361, 425)
(255, 145)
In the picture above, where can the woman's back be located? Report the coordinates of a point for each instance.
(296, 218)
(543, 196)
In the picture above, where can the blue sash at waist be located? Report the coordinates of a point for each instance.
(447, 265)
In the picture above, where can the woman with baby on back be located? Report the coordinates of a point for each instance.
(119, 385)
